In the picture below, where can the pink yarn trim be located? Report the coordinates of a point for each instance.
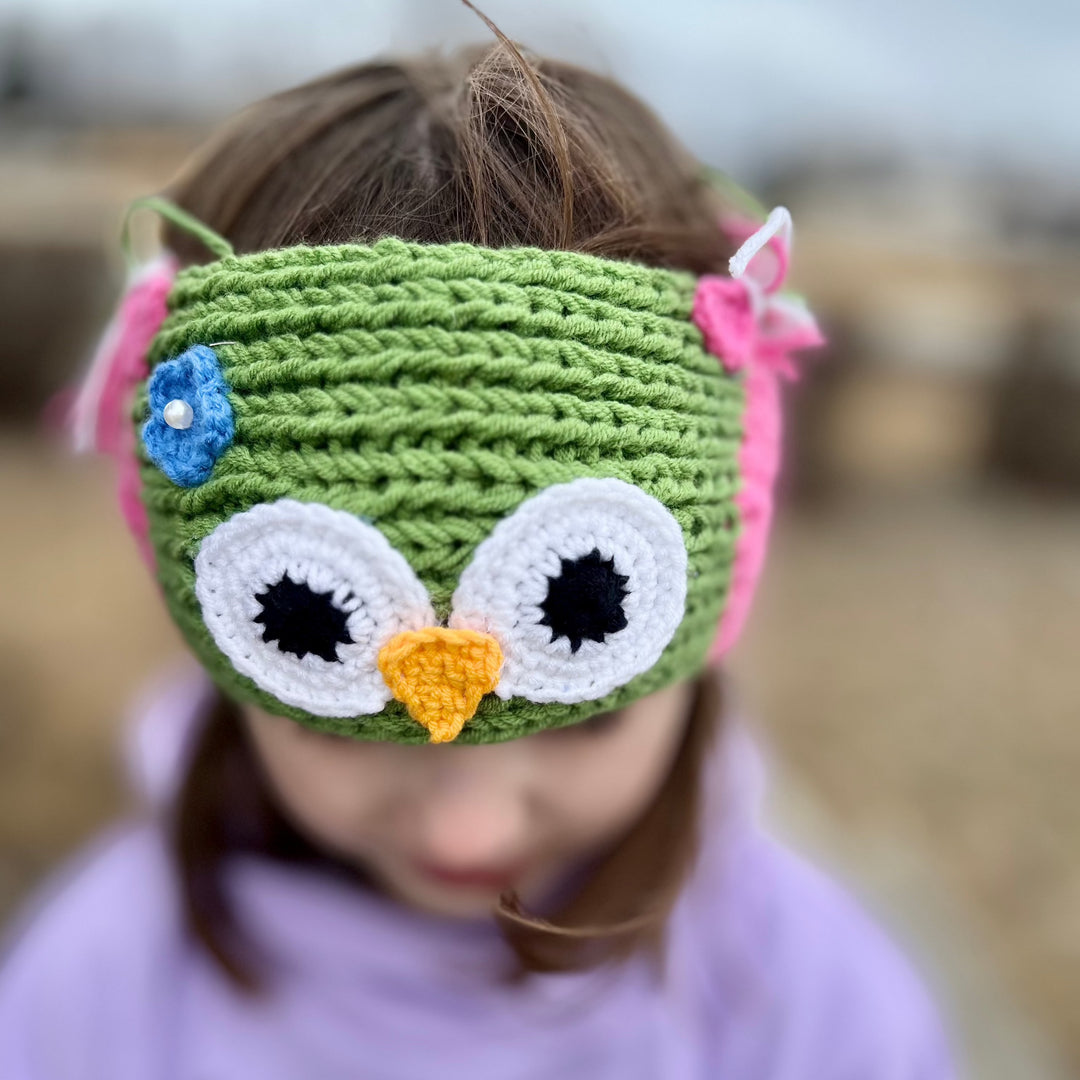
(759, 462)
(753, 328)
(100, 419)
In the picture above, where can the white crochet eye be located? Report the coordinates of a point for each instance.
(301, 597)
(583, 585)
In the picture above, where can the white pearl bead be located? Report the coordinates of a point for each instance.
(178, 414)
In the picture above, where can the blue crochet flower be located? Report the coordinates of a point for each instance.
(191, 420)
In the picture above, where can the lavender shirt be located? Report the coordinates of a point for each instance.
(773, 972)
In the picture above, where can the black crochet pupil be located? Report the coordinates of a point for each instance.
(585, 600)
(302, 620)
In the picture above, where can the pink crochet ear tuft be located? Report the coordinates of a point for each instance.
(724, 313)
(100, 418)
(751, 328)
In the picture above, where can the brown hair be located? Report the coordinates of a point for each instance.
(491, 148)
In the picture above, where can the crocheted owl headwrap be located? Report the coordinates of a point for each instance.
(420, 492)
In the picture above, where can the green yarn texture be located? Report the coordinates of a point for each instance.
(430, 389)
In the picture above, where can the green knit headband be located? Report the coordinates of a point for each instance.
(419, 492)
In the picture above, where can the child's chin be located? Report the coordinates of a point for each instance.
(410, 885)
(434, 898)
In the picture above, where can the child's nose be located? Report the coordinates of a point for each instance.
(473, 823)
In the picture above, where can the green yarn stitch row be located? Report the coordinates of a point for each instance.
(433, 388)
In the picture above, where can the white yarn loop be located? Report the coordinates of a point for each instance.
(779, 221)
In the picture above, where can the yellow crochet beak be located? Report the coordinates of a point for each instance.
(441, 675)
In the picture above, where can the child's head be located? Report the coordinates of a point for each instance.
(500, 495)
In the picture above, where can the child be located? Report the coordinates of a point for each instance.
(453, 458)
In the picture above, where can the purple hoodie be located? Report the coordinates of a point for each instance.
(773, 972)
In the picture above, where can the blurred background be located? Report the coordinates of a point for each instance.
(912, 664)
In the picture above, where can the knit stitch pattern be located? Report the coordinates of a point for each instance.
(429, 390)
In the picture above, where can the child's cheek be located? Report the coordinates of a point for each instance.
(598, 786)
(595, 800)
(331, 790)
